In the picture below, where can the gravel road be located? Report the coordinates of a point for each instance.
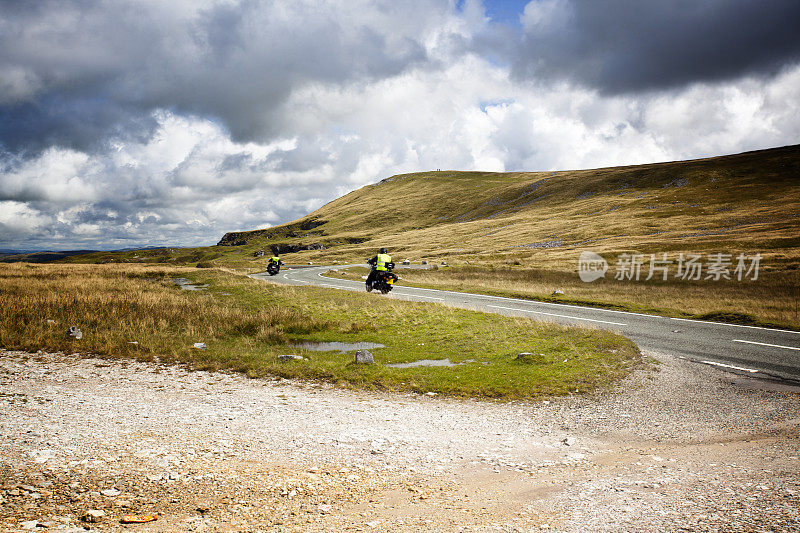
(677, 446)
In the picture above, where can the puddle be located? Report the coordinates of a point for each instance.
(187, 285)
(343, 347)
(430, 362)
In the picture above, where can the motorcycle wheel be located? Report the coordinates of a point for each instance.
(369, 287)
(386, 290)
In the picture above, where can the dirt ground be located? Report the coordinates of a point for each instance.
(683, 447)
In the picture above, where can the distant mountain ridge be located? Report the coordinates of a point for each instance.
(14, 256)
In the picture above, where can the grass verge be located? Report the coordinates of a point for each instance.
(137, 311)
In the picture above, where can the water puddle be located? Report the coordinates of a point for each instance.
(429, 362)
(187, 285)
(343, 347)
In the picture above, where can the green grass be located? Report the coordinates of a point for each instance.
(246, 323)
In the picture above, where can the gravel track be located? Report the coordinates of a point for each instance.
(676, 446)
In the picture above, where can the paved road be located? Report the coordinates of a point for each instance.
(745, 349)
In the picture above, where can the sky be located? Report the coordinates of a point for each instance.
(143, 122)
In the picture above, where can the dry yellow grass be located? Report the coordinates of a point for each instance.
(132, 310)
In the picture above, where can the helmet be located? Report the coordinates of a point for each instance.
(383, 250)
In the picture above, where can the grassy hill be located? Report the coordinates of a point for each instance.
(746, 202)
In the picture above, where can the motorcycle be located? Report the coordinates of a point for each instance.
(384, 280)
(273, 268)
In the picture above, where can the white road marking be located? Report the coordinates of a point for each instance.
(732, 325)
(723, 365)
(767, 344)
(554, 314)
(419, 296)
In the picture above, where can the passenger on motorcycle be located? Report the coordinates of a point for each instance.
(378, 263)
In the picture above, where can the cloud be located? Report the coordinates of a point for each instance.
(170, 123)
(75, 73)
(620, 46)
(19, 220)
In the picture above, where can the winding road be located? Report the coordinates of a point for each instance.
(755, 351)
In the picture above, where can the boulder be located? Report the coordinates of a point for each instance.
(364, 357)
(289, 357)
(530, 358)
(73, 331)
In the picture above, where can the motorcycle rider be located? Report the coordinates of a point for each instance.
(378, 263)
(274, 259)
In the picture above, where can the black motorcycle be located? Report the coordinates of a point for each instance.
(273, 268)
(384, 280)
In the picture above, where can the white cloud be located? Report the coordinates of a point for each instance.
(247, 129)
(18, 221)
(57, 175)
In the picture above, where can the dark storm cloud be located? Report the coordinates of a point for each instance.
(73, 121)
(73, 74)
(622, 46)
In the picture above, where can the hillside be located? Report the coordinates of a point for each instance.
(745, 202)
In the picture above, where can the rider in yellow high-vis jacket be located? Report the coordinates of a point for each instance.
(378, 263)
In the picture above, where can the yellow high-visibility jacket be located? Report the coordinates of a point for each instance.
(382, 260)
